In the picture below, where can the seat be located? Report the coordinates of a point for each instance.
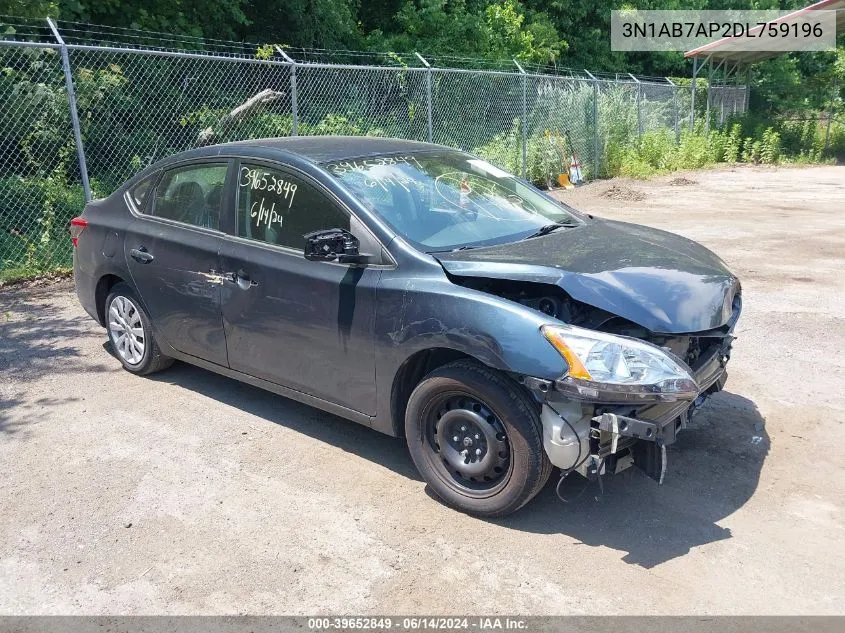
(405, 211)
(187, 204)
(211, 213)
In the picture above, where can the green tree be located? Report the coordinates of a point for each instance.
(508, 34)
(29, 8)
(306, 23)
(200, 18)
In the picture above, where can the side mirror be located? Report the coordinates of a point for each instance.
(333, 245)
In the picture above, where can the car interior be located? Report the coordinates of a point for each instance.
(189, 204)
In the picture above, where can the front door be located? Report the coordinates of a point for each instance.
(302, 324)
(172, 253)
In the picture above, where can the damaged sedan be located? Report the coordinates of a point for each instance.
(423, 292)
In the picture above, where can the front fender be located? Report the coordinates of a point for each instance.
(416, 314)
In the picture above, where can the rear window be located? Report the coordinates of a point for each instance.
(192, 194)
(141, 191)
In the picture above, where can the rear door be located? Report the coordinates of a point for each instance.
(302, 324)
(171, 249)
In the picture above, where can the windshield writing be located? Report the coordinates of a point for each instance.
(448, 200)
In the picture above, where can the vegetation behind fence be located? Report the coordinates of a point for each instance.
(136, 105)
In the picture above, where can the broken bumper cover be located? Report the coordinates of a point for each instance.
(588, 443)
(657, 428)
(659, 422)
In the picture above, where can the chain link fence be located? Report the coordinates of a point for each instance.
(726, 101)
(40, 188)
(77, 120)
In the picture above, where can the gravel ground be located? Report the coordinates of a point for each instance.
(189, 493)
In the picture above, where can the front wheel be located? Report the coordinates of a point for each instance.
(476, 438)
(131, 333)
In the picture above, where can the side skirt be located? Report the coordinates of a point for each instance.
(293, 394)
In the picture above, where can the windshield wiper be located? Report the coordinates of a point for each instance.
(465, 247)
(548, 228)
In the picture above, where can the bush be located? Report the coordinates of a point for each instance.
(770, 146)
(733, 143)
(505, 150)
(657, 152)
(34, 217)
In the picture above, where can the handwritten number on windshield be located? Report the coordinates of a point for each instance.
(261, 180)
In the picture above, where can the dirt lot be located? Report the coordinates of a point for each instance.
(191, 493)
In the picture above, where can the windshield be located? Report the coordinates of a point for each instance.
(441, 201)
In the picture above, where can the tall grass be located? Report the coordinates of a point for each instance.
(617, 147)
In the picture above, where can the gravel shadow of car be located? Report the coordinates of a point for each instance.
(319, 425)
(713, 469)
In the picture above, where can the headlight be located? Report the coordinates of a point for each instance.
(617, 368)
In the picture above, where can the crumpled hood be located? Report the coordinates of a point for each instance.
(661, 281)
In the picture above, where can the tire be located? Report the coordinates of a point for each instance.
(139, 353)
(467, 406)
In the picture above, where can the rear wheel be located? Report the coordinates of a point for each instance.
(131, 333)
(476, 438)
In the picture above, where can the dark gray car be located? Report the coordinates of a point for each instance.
(421, 291)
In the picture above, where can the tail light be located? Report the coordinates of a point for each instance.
(77, 226)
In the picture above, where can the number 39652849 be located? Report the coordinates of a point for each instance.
(263, 181)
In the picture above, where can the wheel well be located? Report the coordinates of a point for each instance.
(104, 286)
(409, 376)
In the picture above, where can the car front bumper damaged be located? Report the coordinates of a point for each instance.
(595, 438)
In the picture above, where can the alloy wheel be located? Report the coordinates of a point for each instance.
(126, 329)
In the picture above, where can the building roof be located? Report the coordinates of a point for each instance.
(725, 49)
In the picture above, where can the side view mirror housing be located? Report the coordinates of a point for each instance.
(333, 245)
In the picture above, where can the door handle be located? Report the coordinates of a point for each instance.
(219, 278)
(141, 255)
(241, 278)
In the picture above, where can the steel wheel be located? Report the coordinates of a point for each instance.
(467, 444)
(126, 329)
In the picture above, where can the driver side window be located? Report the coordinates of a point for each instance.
(279, 208)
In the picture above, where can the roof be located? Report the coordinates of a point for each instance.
(725, 49)
(321, 149)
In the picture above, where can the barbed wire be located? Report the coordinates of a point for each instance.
(16, 29)
(37, 30)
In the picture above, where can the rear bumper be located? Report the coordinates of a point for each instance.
(86, 288)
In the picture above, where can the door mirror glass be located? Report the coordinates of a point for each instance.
(333, 245)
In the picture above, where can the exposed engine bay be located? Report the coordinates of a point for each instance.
(597, 438)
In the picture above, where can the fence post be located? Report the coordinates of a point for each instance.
(675, 110)
(524, 125)
(692, 99)
(428, 95)
(596, 143)
(293, 105)
(709, 83)
(639, 106)
(747, 96)
(827, 131)
(74, 116)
